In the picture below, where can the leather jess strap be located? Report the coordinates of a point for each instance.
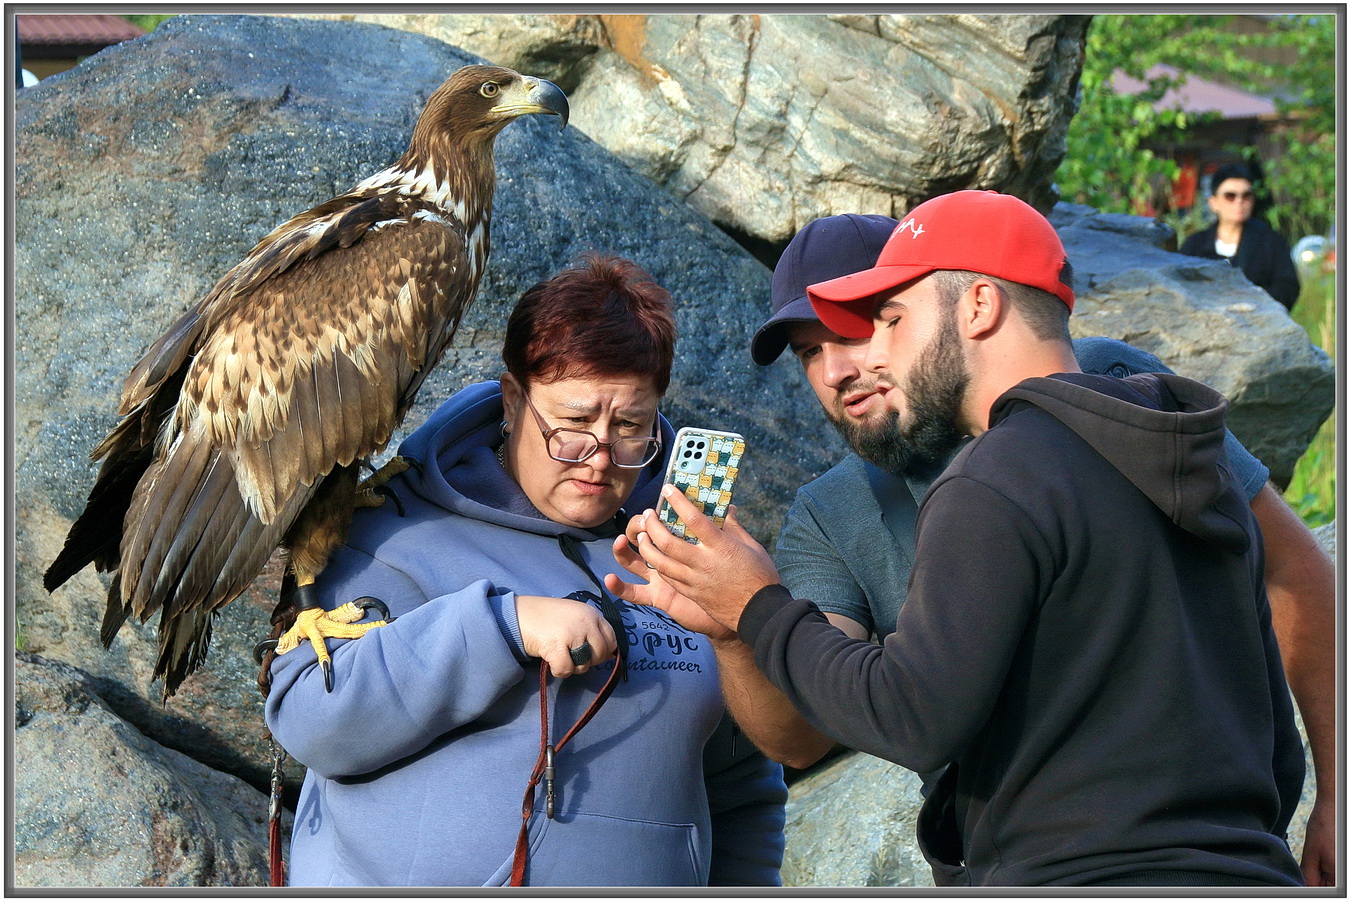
(544, 768)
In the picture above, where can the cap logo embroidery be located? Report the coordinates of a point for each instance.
(910, 224)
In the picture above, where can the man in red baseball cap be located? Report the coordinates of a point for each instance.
(1086, 640)
(938, 249)
(981, 231)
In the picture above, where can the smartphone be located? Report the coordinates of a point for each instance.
(704, 466)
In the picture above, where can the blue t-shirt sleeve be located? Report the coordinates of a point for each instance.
(1109, 357)
(812, 567)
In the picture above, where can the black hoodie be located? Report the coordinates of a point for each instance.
(1087, 638)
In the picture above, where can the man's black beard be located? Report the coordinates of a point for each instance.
(878, 442)
(935, 392)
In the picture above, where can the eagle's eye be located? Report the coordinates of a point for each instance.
(489, 89)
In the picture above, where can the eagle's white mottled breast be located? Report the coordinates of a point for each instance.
(427, 215)
(418, 184)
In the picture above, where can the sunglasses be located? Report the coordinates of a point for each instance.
(1231, 196)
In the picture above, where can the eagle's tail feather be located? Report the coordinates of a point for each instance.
(182, 646)
(91, 540)
(239, 545)
(211, 581)
(116, 613)
(156, 518)
(253, 544)
(214, 549)
(192, 546)
(96, 535)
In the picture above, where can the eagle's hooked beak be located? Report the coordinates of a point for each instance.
(536, 96)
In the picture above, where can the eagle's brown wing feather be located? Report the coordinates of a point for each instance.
(339, 222)
(281, 389)
(290, 386)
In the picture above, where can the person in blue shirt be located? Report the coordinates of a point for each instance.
(454, 747)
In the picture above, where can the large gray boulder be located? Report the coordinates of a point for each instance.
(98, 804)
(144, 173)
(765, 122)
(850, 822)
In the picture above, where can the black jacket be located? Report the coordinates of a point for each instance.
(1262, 255)
(1087, 637)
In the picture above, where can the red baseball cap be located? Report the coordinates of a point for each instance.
(980, 231)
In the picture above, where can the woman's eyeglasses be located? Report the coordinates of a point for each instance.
(1231, 196)
(572, 446)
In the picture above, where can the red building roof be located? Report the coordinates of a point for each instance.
(1199, 95)
(60, 36)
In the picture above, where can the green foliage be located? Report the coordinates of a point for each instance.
(1187, 222)
(1109, 164)
(1303, 174)
(146, 23)
(1312, 491)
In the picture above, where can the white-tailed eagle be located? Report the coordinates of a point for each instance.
(244, 426)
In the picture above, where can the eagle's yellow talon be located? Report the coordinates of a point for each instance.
(391, 468)
(367, 498)
(347, 613)
(371, 491)
(316, 624)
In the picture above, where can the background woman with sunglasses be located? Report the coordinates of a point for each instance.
(454, 748)
(1247, 243)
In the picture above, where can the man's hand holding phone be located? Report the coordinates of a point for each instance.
(718, 575)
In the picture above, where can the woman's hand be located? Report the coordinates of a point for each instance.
(550, 628)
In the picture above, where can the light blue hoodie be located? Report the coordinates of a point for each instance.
(419, 758)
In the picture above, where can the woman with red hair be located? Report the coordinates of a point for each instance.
(515, 722)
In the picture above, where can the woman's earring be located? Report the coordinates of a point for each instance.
(505, 429)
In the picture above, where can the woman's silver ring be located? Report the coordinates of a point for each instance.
(581, 655)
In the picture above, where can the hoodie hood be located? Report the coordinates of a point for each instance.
(457, 446)
(1163, 432)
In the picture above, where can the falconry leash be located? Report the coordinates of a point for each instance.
(545, 767)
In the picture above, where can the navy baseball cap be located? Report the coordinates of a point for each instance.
(824, 249)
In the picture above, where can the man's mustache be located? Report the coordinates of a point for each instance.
(885, 381)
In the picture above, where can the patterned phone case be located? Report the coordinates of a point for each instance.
(704, 466)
